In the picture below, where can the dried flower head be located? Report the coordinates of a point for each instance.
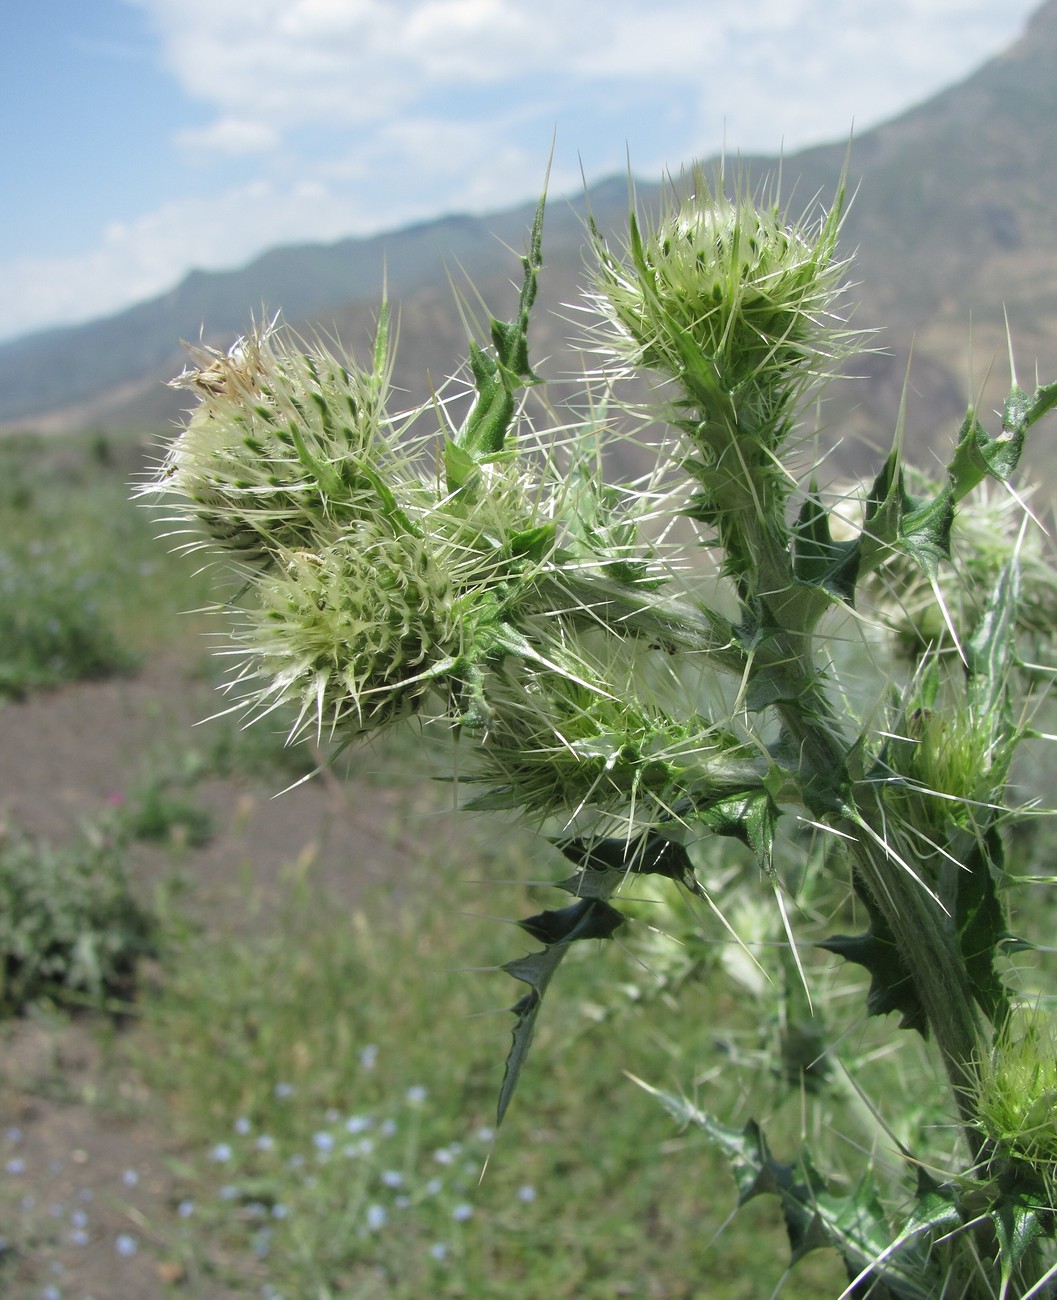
(285, 447)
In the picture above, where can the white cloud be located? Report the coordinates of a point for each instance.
(233, 136)
(141, 258)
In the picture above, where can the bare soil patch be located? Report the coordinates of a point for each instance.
(88, 1177)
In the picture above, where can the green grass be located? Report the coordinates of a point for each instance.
(85, 590)
(341, 1068)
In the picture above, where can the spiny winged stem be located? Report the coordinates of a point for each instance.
(736, 309)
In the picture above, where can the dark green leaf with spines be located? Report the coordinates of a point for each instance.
(655, 856)
(934, 1208)
(590, 918)
(854, 1224)
(751, 818)
(1019, 1221)
(980, 919)
(990, 652)
(891, 987)
(925, 531)
(818, 560)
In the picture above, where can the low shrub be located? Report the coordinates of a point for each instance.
(70, 926)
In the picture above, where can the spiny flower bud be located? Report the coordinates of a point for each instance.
(728, 300)
(356, 635)
(1017, 1093)
(562, 744)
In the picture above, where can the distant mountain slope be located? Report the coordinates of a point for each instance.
(953, 218)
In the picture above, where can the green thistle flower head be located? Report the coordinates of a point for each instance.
(726, 298)
(283, 447)
(1017, 1097)
(356, 635)
(567, 742)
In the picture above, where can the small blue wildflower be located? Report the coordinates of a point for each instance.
(369, 1056)
(357, 1123)
(416, 1093)
(439, 1250)
(126, 1244)
(444, 1156)
(185, 1209)
(78, 1237)
(262, 1242)
(51, 1293)
(229, 1193)
(323, 1142)
(279, 1210)
(131, 1179)
(462, 1212)
(265, 1142)
(284, 1090)
(242, 1126)
(78, 1219)
(434, 1186)
(387, 1127)
(377, 1217)
(296, 1161)
(392, 1178)
(332, 1116)
(16, 1165)
(526, 1194)
(221, 1153)
(13, 1134)
(485, 1133)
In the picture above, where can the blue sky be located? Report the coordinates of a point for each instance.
(143, 138)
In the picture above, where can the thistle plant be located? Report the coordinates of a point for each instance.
(647, 669)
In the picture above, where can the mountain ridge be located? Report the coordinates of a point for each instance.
(952, 219)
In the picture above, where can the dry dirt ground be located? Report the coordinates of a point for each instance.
(84, 1156)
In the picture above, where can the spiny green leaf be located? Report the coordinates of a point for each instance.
(854, 1224)
(752, 818)
(977, 455)
(590, 918)
(460, 468)
(818, 560)
(1019, 1221)
(655, 856)
(536, 970)
(591, 883)
(925, 531)
(533, 543)
(497, 378)
(934, 1208)
(991, 650)
(886, 503)
(488, 422)
(891, 988)
(980, 918)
